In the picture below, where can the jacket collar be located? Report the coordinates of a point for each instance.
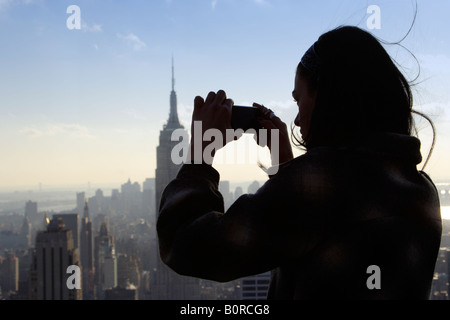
(404, 147)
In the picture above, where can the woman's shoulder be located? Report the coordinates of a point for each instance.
(317, 158)
(314, 169)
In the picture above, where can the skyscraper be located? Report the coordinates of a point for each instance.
(87, 255)
(166, 283)
(105, 262)
(81, 199)
(71, 222)
(148, 196)
(131, 198)
(53, 255)
(25, 233)
(255, 287)
(166, 169)
(9, 273)
(31, 209)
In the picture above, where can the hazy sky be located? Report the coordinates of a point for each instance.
(87, 105)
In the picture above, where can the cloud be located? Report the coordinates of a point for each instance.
(282, 105)
(439, 63)
(72, 130)
(94, 28)
(133, 40)
(133, 114)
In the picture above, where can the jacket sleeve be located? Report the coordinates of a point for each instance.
(196, 237)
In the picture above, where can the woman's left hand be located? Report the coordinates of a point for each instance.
(282, 151)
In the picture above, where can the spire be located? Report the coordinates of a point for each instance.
(173, 122)
(173, 76)
(104, 229)
(86, 210)
(26, 226)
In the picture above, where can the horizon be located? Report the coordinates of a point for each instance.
(108, 186)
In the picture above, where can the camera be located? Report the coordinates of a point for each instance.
(245, 118)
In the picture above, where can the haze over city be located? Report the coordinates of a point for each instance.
(86, 105)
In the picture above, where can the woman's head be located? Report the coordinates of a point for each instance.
(348, 87)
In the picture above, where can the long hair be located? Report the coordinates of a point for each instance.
(360, 90)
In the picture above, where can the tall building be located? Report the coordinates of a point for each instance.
(54, 253)
(131, 198)
(87, 255)
(71, 221)
(166, 283)
(81, 199)
(9, 273)
(238, 192)
(25, 233)
(148, 195)
(105, 262)
(255, 287)
(31, 210)
(253, 187)
(224, 188)
(166, 169)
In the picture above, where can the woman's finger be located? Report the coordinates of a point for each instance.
(221, 96)
(229, 102)
(210, 98)
(198, 102)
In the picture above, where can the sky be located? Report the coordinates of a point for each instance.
(86, 105)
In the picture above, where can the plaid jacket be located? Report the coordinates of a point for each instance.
(318, 224)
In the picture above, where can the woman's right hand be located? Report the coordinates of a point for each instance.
(269, 121)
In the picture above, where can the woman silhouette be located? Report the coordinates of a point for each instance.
(353, 205)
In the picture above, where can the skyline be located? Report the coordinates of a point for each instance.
(87, 105)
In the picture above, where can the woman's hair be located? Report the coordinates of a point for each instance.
(360, 90)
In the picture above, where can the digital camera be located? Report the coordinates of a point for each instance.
(245, 118)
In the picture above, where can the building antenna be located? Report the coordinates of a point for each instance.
(173, 75)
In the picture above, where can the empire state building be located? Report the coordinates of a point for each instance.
(167, 284)
(166, 170)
